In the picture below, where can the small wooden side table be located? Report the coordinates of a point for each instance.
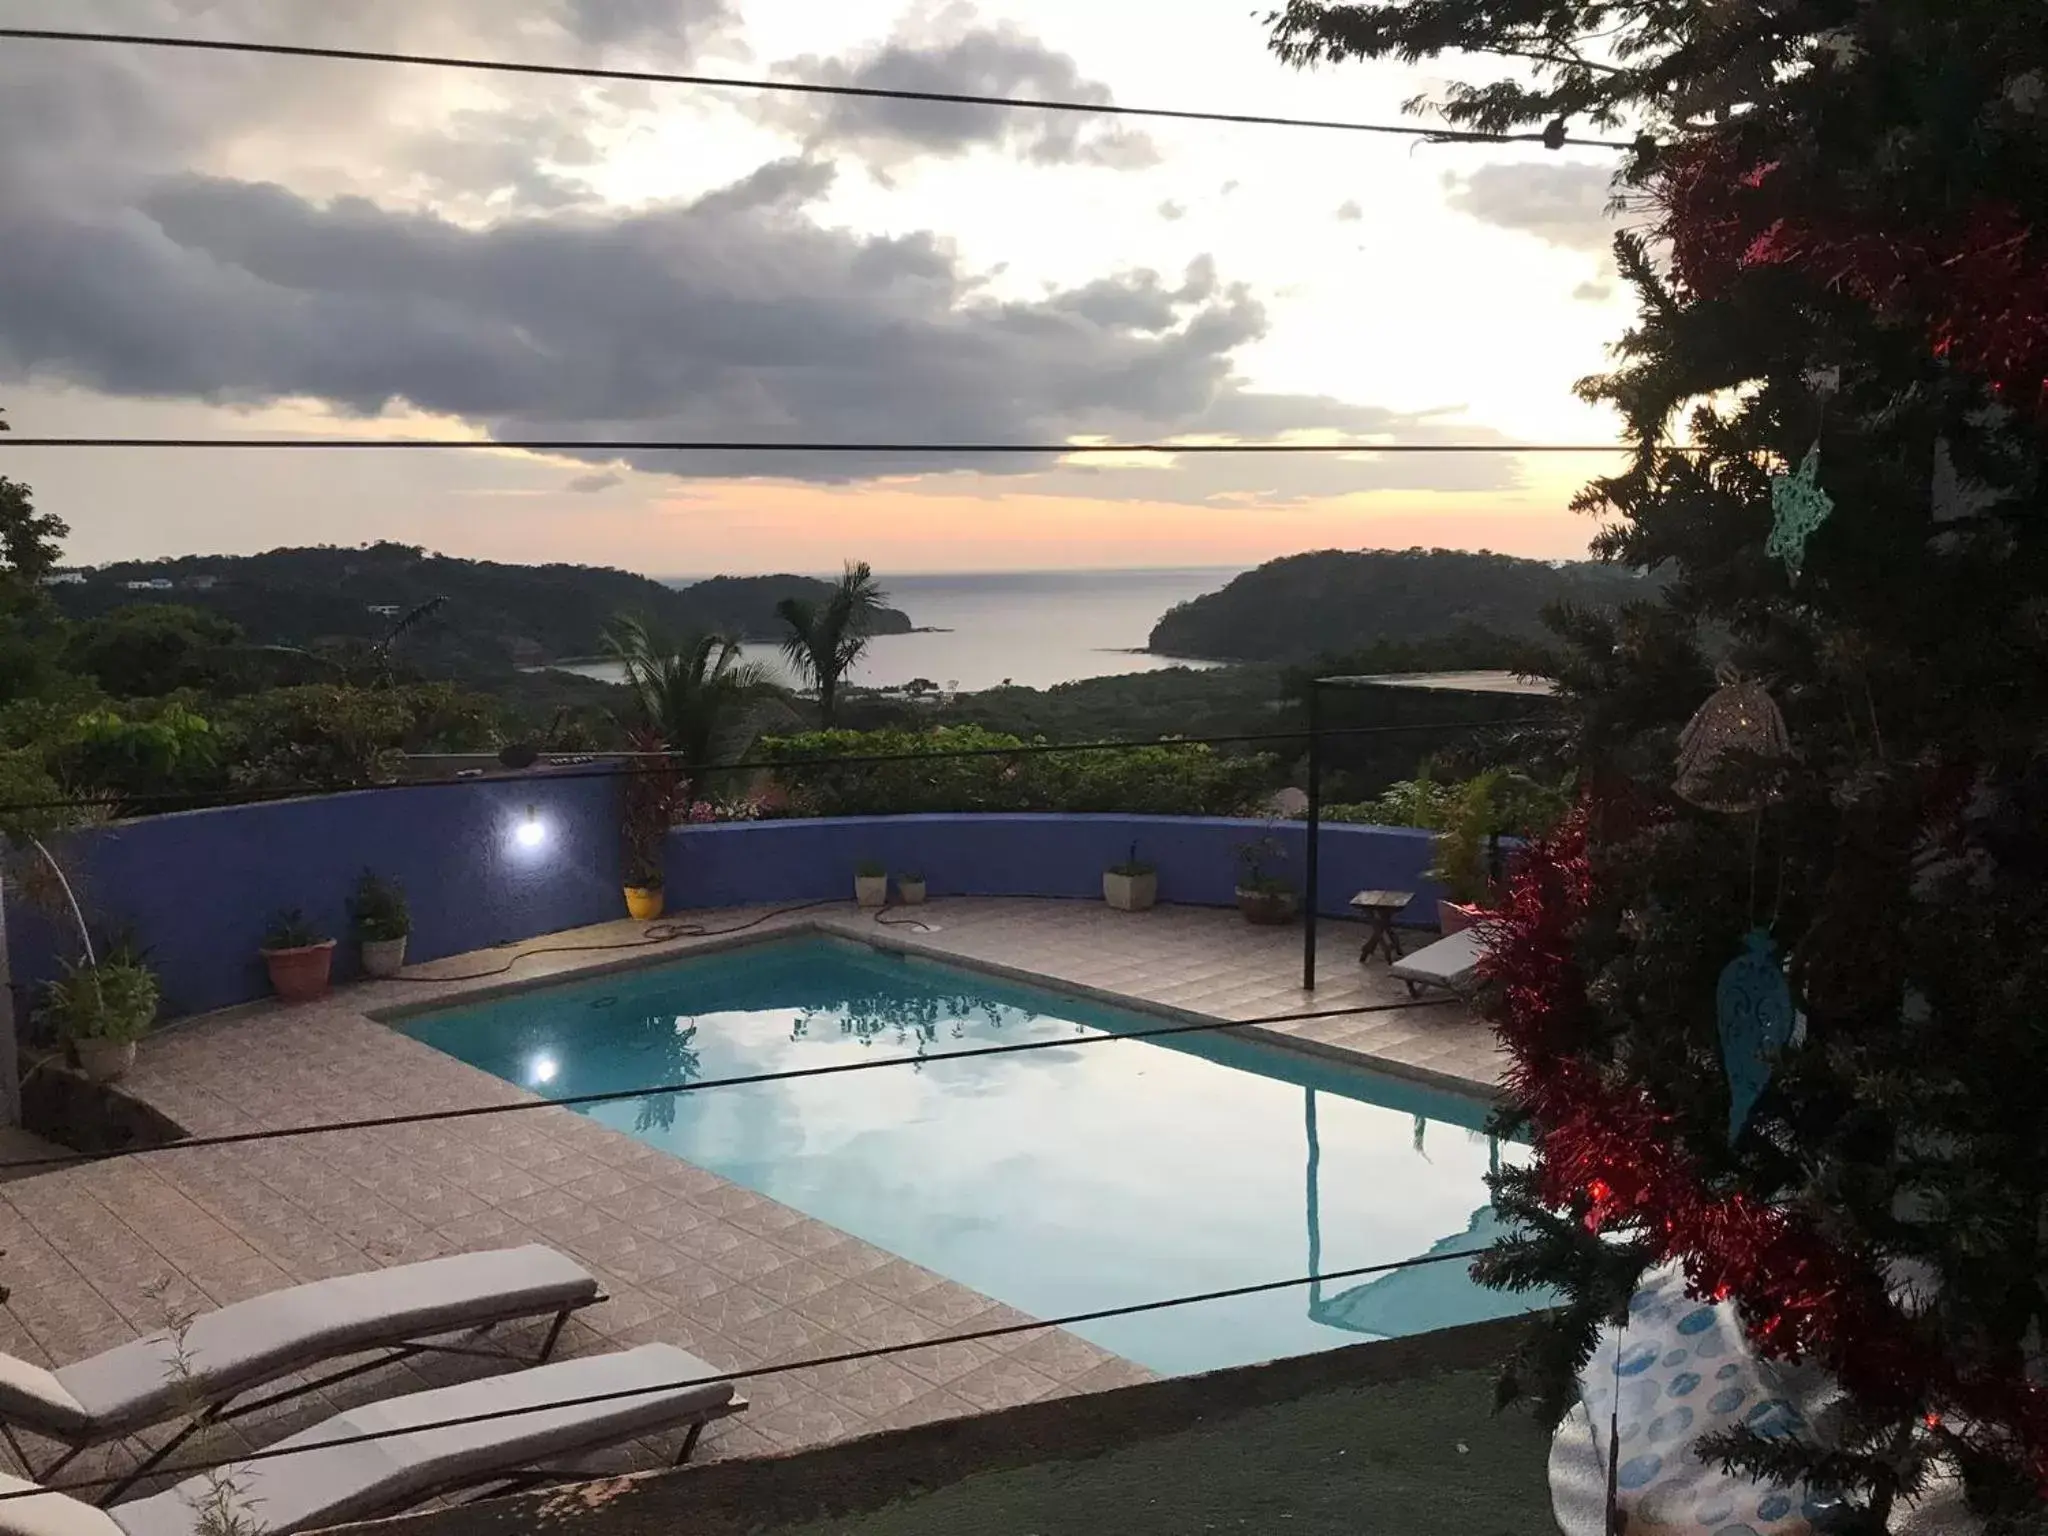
(1380, 908)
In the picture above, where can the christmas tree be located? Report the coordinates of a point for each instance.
(1777, 996)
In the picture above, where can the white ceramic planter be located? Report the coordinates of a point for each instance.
(871, 890)
(912, 892)
(384, 957)
(1130, 893)
(105, 1061)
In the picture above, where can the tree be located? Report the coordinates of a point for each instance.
(696, 694)
(828, 636)
(1845, 248)
(30, 541)
(144, 650)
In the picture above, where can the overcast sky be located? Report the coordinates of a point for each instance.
(207, 245)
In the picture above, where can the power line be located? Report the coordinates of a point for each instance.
(227, 799)
(802, 88)
(850, 1357)
(665, 1090)
(707, 445)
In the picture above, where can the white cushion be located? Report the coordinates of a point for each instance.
(35, 1397)
(1448, 962)
(358, 1482)
(49, 1514)
(270, 1336)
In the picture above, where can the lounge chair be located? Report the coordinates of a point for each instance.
(1452, 963)
(270, 1337)
(335, 1484)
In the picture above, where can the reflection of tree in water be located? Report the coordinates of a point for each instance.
(867, 1015)
(670, 1048)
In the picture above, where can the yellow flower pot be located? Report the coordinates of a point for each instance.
(643, 903)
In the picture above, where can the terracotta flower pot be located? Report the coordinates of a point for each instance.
(301, 973)
(644, 902)
(1266, 909)
(384, 957)
(104, 1061)
(1455, 916)
(1130, 893)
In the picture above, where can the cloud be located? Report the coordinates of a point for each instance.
(1172, 212)
(1349, 212)
(1593, 293)
(590, 485)
(535, 312)
(1562, 205)
(960, 57)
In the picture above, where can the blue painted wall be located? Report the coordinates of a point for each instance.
(199, 888)
(745, 863)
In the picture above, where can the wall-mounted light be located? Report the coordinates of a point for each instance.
(531, 832)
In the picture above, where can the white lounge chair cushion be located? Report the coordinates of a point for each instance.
(33, 1396)
(355, 1482)
(49, 1514)
(1451, 962)
(270, 1336)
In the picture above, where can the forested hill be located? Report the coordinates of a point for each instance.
(493, 616)
(1335, 600)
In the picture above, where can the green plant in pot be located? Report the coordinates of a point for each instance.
(100, 1009)
(298, 958)
(910, 886)
(1264, 895)
(871, 883)
(382, 921)
(1133, 885)
(1468, 863)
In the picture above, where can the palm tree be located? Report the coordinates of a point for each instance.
(826, 638)
(696, 694)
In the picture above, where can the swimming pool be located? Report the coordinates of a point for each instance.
(1058, 1180)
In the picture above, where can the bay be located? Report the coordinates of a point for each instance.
(1035, 629)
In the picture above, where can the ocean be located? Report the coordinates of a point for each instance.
(1031, 628)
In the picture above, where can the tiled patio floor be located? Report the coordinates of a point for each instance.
(96, 1254)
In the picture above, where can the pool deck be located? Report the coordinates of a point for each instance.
(97, 1254)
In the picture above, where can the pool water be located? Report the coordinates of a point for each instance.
(1060, 1180)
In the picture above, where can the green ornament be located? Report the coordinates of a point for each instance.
(1798, 506)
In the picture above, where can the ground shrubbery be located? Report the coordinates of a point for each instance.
(1159, 780)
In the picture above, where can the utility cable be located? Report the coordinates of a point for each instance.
(803, 88)
(664, 1090)
(228, 798)
(850, 1357)
(699, 445)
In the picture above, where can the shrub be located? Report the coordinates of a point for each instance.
(379, 909)
(1161, 780)
(115, 1000)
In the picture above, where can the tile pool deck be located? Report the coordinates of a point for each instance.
(96, 1254)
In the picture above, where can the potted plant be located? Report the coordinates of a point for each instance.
(1461, 851)
(100, 1009)
(1132, 886)
(382, 922)
(910, 886)
(298, 959)
(1264, 896)
(651, 796)
(871, 883)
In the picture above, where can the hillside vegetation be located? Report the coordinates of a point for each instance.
(493, 616)
(1336, 600)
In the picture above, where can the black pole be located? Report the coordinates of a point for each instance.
(1315, 828)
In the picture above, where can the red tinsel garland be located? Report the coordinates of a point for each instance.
(1609, 1142)
(1979, 288)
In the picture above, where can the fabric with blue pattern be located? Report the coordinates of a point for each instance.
(1679, 1371)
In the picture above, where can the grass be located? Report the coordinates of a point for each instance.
(1423, 1457)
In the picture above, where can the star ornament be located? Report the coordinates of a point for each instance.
(1798, 507)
